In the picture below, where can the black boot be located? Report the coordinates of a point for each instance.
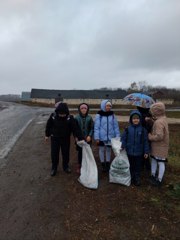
(107, 166)
(103, 167)
(67, 170)
(152, 180)
(53, 172)
(137, 182)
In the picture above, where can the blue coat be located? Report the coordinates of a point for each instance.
(105, 125)
(135, 138)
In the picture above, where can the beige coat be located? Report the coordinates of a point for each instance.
(159, 136)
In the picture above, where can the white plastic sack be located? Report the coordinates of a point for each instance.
(89, 173)
(119, 171)
(116, 145)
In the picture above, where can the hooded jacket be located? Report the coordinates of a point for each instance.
(62, 126)
(62, 108)
(159, 136)
(85, 123)
(105, 125)
(135, 137)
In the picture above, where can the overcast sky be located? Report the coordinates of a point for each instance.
(87, 44)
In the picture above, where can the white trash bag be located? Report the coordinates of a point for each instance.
(116, 145)
(119, 171)
(89, 173)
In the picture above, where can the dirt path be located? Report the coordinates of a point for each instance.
(35, 206)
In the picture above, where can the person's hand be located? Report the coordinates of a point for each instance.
(88, 139)
(149, 136)
(97, 142)
(46, 138)
(81, 142)
(145, 155)
(148, 119)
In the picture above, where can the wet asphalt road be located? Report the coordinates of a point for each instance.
(14, 118)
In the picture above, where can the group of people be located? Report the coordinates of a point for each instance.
(146, 139)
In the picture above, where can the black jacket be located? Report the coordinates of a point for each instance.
(62, 127)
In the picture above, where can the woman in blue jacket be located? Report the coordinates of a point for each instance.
(135, 141)
(105, 127)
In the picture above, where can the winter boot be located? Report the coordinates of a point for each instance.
(152, 180)
(53, 172)
(137, 182)
(107, 166)
(157, 183)
(78, 169)
(103, 167)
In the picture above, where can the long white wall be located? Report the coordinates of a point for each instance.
(77, 101)
(91, 101)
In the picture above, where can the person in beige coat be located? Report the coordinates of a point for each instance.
(159, 138)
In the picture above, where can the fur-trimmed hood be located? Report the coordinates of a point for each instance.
(157, 109)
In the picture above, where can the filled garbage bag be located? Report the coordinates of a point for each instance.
(119, 170)
(88, 173)
(116, 145)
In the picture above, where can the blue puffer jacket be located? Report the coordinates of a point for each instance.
(135, 138)
(105, 125)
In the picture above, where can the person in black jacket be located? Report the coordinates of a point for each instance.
(147, 124)
(59, 127)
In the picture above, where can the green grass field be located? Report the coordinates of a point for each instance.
(174, 114)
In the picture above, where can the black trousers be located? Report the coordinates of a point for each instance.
(79, 155)
(57, 144)
(79, 149)
(135, 167)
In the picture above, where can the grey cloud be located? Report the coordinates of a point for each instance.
(88, 44)
(147, 38)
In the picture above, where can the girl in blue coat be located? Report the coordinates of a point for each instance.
(105, 127)
(135, 141)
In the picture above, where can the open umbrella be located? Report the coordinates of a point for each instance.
(139, 100)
